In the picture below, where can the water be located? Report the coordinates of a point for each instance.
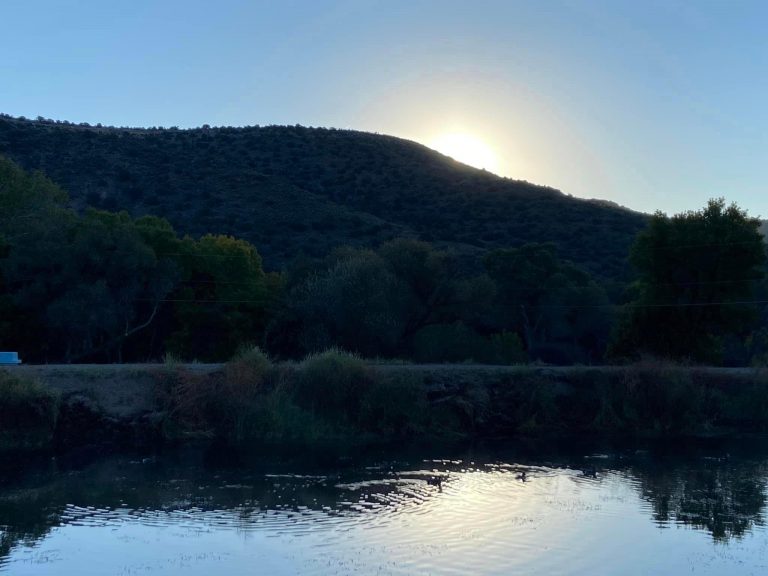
(694, 509)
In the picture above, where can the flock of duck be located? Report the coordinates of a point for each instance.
(438, 479)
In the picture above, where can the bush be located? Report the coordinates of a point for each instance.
(332, 385)
(246, 372)
(184, 397)
(28, 412)
(257, 404)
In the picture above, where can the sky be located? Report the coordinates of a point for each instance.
(655, 105)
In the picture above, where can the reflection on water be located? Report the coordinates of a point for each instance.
(491, 510)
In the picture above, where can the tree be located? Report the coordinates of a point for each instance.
(427, 274)
(560, 312)
(697, 275)
(113, 277)
(34, 224)
(224, 293)
(356, 302)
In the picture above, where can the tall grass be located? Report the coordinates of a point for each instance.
(338, 395)
(252, 401)
(333, 385)
(646, 399)
(328, 395)
(346, 393)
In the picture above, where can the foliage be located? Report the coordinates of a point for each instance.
(334, 384)
(28, 412)
(328, 395)
(354, 302)
(697, 274)
(560, 312)
(291, 190)
(114, 278)
(124, 288)
(224, 292)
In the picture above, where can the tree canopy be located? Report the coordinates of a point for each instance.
(698, 273)
(105, 286)
(292, 189)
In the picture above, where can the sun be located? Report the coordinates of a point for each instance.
(467, 149)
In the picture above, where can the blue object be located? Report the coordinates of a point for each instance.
(9, 358)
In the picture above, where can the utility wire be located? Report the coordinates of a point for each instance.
(534, 306)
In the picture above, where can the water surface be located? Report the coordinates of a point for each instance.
(504, 509)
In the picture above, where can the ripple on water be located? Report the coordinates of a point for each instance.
(477, 518)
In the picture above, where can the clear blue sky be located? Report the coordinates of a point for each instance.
(651, 104)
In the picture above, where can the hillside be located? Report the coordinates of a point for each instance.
(293, 190)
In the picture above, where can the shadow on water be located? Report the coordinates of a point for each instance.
(718, 487)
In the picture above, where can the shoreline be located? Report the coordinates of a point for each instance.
(132, 405)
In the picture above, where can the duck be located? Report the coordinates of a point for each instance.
(436, 481)
(590, 472)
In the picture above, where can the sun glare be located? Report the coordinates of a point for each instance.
(467, 149)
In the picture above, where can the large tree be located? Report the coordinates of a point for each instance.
(221, 302)
(355, 301)
(561, 314)
(697, 276)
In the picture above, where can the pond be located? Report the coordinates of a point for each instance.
(512, 508)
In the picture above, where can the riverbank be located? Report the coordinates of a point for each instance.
(334, 396)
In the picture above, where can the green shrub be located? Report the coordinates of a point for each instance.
(237, 403)
(171, 360)
(327, 395)
(332, 385)
(276, 416)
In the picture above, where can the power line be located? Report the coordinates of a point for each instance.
(535, 306)
(638, 305)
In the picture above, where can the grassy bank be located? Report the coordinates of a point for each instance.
(28, 412)
(326, 396)
(335, 396)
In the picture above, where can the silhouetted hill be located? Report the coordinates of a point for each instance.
(291, 189)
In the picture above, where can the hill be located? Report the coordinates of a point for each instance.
(294, 190)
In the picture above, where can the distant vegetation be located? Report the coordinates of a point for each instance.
(103, 286)
(291, 190)
(97, 285)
